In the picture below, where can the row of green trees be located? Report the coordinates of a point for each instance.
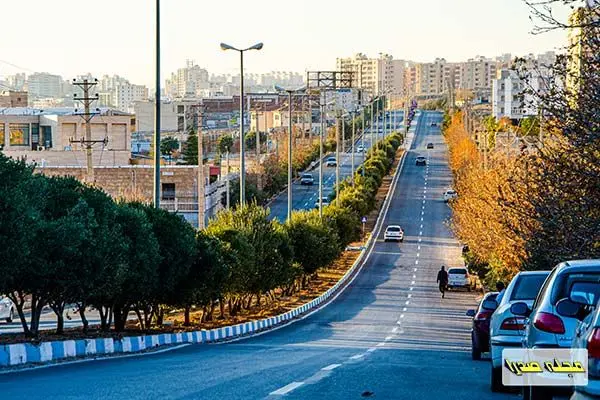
(65, 243)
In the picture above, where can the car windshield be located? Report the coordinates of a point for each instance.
(307, 176)
(461, 271)
(527, 287)
(393, 229)
(564, 283)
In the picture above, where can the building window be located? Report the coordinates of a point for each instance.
(2, 135)
(180, 109)
(180, 123)
(35, 136)
(46, 138)
(19, 134)
(168, 191)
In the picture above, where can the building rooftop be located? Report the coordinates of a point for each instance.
(29, 111)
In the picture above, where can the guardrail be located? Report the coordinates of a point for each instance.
(12, 355)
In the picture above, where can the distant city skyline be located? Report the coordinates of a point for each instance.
(123, 41)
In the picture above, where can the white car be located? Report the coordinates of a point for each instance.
(506, 328)
(450, 195)
(307, 179)
(325, 202)
(458, 277)
(7, 309)
(360, 149)
(393, 232)
(331, 162)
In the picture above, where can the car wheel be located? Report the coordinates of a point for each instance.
(496, 380)
(11, 316)
(538, 393)
(475, 352)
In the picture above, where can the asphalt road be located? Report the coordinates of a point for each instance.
(388, 336)
(305, 197)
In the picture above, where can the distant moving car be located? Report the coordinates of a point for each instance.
(434, 124)
(393, 232)
(587, 337)
(430, 145)
(331, 162)
(506, 328)
(325, 202)
(450, 194)
(566, 297)
(458, 277)
(421, 161)
(480, 331)
(307, 179)
(7, 309)
(360, 148)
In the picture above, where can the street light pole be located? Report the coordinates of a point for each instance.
(337, 155)
(257, 46)
(157, 113)
(290, 127)
(353, 139)
(323, 106)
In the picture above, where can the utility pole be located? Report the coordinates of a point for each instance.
(87, 115)
(372, 122)
(290, 134)
(201, 178)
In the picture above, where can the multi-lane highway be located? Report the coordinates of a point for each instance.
(389, 335)
(305, 197)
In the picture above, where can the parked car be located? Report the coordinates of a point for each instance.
(393, 232)
(325, 202)
(307, 179)
(331, 162)
(506, 328)
(430, 145)
(480, 331)
(450, 194)
(7, 309)
(556, 312)
(587, 336)
(459, 278)
(421, 160)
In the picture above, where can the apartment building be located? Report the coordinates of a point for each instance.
(376, 75)
(44, 85)
(13, 98)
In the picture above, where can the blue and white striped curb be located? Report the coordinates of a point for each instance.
(45, 352)
(29, 353)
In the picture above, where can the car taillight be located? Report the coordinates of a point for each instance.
(549, 323)
(593, 347)
(513, 324)
(482, 315)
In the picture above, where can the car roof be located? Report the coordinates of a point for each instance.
(578, 265)
(420, 156)
(489, 294)
(393, 226)
(307, 174)
(451, 268)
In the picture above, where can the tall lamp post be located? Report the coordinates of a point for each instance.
(157, 114)
(289, 92)
(257, 46)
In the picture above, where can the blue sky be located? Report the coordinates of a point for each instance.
(70, 37)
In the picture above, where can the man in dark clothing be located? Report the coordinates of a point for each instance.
(442, 280)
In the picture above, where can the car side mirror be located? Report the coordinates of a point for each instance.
(520, 308)
(568, 308)
(470, 313)
(489, 305)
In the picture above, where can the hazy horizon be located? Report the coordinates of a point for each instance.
(311, 36)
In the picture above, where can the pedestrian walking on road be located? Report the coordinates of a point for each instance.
(442, 280)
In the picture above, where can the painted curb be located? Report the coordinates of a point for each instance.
(20, 354)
